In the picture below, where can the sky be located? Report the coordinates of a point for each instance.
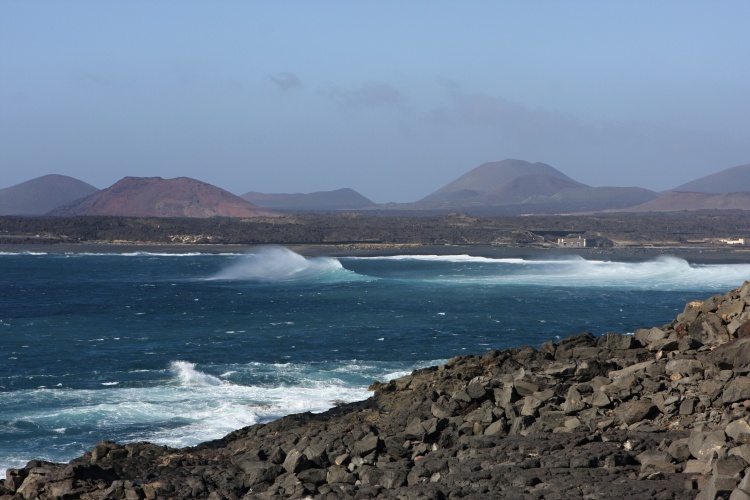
(393, 99)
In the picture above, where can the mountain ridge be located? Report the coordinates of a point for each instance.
(730, 180)
(40, 195)
(158, 197)
(506, 187)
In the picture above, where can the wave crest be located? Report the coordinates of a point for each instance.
(274, 263)
(186, 374)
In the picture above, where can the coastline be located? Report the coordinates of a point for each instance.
(661, 413)
(693, 255)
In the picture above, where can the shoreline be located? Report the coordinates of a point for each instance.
(693, 255)
(661, 413)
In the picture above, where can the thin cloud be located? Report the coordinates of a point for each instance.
(286, 81)
(481, 110)
(368, 95)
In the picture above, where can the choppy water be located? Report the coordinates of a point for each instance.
(178, 349)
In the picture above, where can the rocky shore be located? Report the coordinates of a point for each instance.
(662, 413)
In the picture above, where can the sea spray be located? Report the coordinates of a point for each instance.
(187, 375)
(279, 264)
(662, 273)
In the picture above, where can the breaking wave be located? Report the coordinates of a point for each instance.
(187, 375)
(274, 264)
(662, 273)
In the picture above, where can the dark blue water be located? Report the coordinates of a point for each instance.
(181, 349)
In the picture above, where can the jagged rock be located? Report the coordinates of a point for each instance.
(618, 342)
(737, 428)
(649, 336)
(525, 388)
(704, 444)
(729, 466)
(635, 411)
(708, 328)
(730, 308)
(337, 474)
(600, 399)
(685, 367)
(296, 461)
(656, 461)
(742, 451)
(742, 492)
(717, 487)
(687, 407)
(679, 449)
(697, 467)
(496, 428)
(738, 389)
(733, 355)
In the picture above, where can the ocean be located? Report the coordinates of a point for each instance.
(179, 349)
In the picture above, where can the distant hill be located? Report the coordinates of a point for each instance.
(340, 199)
(157, 197)
(503, 182)
(592, 199)
(39, 196)
(730, 180)
(673, 201)
(518, 187)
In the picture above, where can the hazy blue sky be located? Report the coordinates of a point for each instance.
(391, 98)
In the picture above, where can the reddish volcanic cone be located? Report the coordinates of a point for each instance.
(157, 197)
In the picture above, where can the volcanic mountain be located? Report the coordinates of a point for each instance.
(730, 180)
(673, 201)
(503, 182)
(40, 195)
(516, 186)
(340, 199)
(157, 197)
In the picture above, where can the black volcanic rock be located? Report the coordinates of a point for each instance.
(663, 413)
(157, 197)
(39, 196)
(340, 199)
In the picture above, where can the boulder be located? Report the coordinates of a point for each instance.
(631, 412)
(685, 367)
(737, 428)
(738, 389)
(649, 336)
(656, 461)
(704, 444)
(732, 356)
(296, 462)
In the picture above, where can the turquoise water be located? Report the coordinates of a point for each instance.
(178, 349)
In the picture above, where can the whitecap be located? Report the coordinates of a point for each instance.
(275, 264)
(186, 374)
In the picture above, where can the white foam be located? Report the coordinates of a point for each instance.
(187, 375)
(662, 273)
(274, 263)
(193, 406)
(23, 253)
(442, 258)
(141, 254)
